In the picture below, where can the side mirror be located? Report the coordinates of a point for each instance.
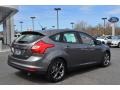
(97, 42)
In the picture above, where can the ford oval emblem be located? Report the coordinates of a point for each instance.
(113, 19)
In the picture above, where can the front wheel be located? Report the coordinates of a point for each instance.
(106, 60)
(56, 70)
(119, 45)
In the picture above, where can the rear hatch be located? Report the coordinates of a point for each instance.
(21, 47)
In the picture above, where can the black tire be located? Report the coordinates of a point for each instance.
(56, 70)
(106, 60)
(103, 42)
(119, 45)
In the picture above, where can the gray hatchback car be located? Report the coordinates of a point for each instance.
(54, 52)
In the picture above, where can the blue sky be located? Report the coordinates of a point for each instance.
(46, 16)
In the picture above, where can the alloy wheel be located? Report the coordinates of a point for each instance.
(58, 70)
(106, 60)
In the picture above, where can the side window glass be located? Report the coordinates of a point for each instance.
(69, 37)
(109, 37)
(86, 39)
(56, 37)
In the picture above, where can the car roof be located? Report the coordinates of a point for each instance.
(49, 32)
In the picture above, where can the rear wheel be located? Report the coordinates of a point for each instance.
(106, 60)
(56, 70)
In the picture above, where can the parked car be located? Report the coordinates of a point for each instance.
(55, 52)
(115, 41)
(105, 39)
(17, 35)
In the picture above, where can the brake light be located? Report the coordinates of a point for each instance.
(41, 46)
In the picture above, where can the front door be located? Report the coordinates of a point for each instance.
(91, 51)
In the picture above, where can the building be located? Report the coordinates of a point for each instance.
(6, 18)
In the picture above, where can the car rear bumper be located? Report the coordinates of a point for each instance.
(27, 65)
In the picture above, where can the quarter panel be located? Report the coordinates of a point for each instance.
(57, 54)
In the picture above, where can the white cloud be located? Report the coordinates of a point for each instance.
(114, 11)
(86, 7)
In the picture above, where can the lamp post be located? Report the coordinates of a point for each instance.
(57, 9)
(104, 19)
(72, 23)
(33, 22)
(21, 23)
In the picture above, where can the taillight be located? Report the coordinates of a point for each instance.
(40, 47)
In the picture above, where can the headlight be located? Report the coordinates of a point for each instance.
(114, 42)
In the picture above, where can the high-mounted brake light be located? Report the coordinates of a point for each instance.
(41, 46)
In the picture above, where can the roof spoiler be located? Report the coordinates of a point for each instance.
(32, 32)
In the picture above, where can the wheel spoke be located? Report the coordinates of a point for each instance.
(55, 76)
(61, 65)
(61, 73)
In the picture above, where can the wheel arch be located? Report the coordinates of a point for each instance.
(63, 59)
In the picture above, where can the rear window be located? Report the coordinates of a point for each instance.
(29, 37)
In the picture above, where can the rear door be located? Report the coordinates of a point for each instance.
(21, 47)
(71, 45)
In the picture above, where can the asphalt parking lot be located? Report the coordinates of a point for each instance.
(90, 76)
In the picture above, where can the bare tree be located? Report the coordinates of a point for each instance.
(81, 26)
(97, 30)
